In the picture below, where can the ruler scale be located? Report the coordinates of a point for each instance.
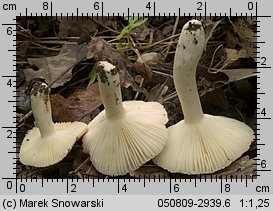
(192, 192)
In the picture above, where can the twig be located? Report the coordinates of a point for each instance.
(47, 48)
(160, 90)
(79, 167)
(112, 30)
(164, 74)
(212, 59)
(141, 83)
(25, 117)
(241, 115)
(173, 33)
(170, 96)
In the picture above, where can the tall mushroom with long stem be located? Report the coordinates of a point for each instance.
(200, 143)
(48, 142)
(126, 134)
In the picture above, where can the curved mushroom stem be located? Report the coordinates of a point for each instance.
(40, 103)
(188, 52)
(109, 86)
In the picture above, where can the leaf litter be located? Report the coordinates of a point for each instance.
(57, 70)
(225, 77)
(77, 107)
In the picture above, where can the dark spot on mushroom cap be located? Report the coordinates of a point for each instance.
(195, 41)
(184, 47)
(39, 87)
(113, 71)
(117, 100)
(102, 73)
(193, 27)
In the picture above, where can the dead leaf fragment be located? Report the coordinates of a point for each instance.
(74, 28)
(77, 107)
(57, 70)
(143, 68)
(233, 54)
(209, 26)
(246, 36)
(150, 170)
(239, 74)
(100, 50)
(241, 167)
(142, 64)
(157, 92)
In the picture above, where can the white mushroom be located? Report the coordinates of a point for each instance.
(200, 143)
(126, 134)
(49, 142)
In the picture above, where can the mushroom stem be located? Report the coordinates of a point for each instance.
(109, 86)
(188, 52)
(40, 103)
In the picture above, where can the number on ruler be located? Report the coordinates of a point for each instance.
(9, 83)
(96, 5)
(124, 188)
(263, 112)
(9, 30)
(199, 5)
(263, 60)
(9, 133)
(21, 187)
(45, 5)
(176, 188)
(73, 188)
(9, 185)
(148, 6)
(263, 164)
(250, 5)
(227, 188)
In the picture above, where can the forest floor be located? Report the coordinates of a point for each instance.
(63, 53)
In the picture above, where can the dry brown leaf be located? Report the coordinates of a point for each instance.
(226, 76)
(234, 55)
(140, 32)
(57, 70)
(150, 170)
(107, 22)
(83, 167)
(209, 26)
(234, 67)
(142, 64)
(157, 92)
(246, 36)
(236, 58)
(100, 50)
(77, 107)
(74, 28)
(239, 74)
(143, 69)
(241, 167)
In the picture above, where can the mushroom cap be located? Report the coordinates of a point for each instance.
(122, 143)
(40, 152)
(204, 147)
